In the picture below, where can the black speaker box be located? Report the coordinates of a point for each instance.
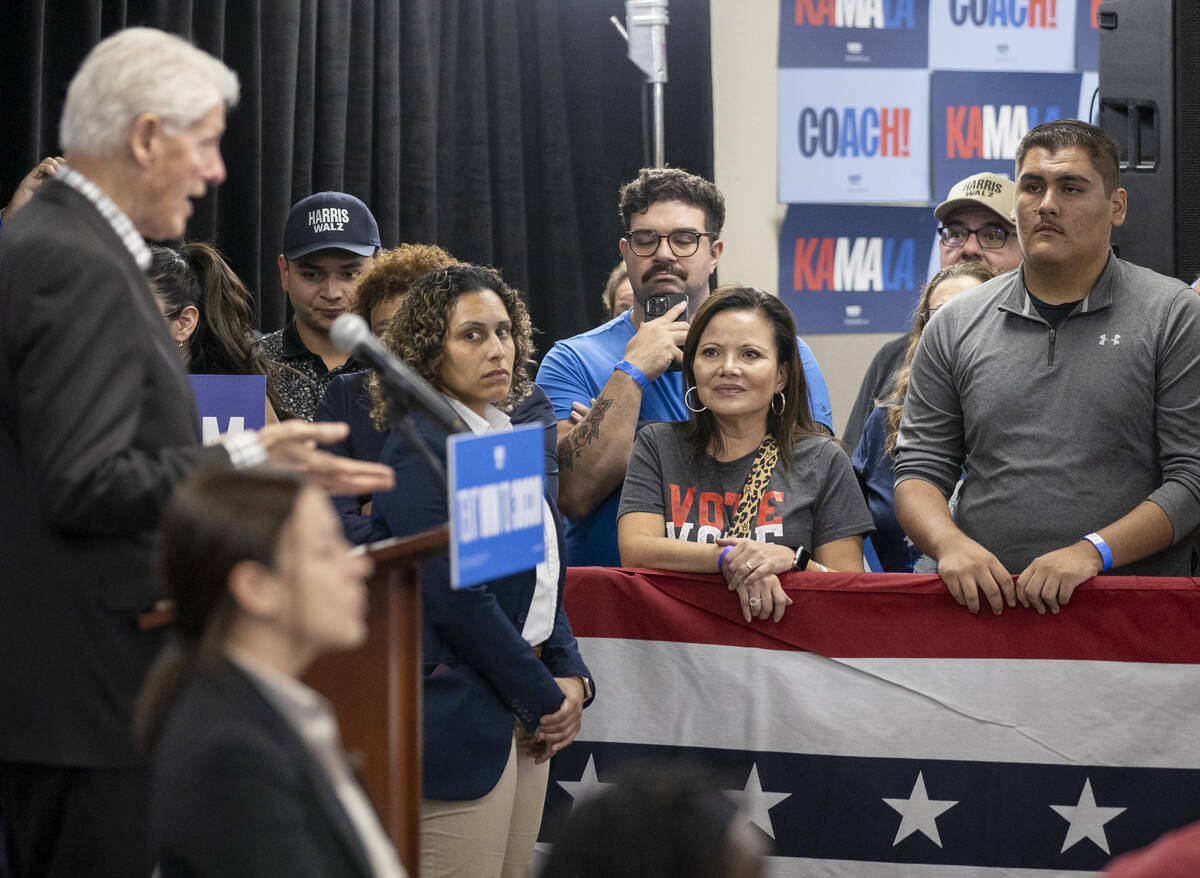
(1150, 103)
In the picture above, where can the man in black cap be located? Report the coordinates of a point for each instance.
(329, 240)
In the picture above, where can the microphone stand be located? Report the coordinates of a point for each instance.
(399, 406)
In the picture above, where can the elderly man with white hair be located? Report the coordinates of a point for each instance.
(97, 423)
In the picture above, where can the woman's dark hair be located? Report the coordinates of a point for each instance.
(393, 272)
(894, 403)
(795, 420)
(223, 343)
(417, 334)
(215, 520)
(657, 821)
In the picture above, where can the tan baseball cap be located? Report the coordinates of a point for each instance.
(992, 191)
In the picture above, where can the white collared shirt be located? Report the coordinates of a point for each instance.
(539, 619)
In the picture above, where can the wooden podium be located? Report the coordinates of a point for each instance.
(376, 689)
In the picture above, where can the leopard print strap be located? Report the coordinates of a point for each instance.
(756, 483)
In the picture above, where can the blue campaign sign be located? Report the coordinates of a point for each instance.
(1087, 35)
(980, 118)
(496, 484)
(853, 33)
(853, 135)
(852, 268)
(230, 403)
(1009, 35)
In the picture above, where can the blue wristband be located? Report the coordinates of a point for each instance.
(1102, 547)
(633, 372)
(721, 558)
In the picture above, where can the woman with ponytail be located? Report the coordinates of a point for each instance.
(210, 314)
(249, 777)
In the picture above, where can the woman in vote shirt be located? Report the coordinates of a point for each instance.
(504, 683)
(745, 487)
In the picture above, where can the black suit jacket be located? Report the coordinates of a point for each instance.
(97, 422)
(236, 792)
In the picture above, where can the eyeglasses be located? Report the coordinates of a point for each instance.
(992, 236)
(683, 242)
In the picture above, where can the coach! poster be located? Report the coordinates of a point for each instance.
(853, 33)
(1002, 34)
(853, 135)
(980, 118)
(853, 269)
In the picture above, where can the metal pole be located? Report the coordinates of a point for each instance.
(646, 32)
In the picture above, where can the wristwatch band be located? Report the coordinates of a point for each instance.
(803, 556)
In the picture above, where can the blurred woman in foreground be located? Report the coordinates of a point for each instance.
(746, 486)
(249, 777)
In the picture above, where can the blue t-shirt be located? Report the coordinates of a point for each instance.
(576, 369)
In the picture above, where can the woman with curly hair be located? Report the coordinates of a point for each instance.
(504, 684)
(873, 457)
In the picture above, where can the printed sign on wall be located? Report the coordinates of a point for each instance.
(1087, 36)
(1002, 34)
(852, 268)
(980, 118)
(229, 403)
(853, 136)
(853, 33)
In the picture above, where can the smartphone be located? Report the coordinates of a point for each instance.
(657, 306)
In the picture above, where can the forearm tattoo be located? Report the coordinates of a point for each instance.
(573, 445)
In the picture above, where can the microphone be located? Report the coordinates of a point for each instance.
(351, 334)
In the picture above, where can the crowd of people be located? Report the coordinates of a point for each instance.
(1034, 428)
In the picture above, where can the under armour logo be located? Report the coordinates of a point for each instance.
(1104, 339)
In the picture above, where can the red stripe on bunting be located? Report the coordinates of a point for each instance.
(882, 615)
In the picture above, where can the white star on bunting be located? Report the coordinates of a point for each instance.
(918, 813)
(588, 785)
(755, 804)
(1086, 819)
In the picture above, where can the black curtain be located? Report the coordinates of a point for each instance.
(500, 129)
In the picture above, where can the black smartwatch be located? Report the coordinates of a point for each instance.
(803, 556)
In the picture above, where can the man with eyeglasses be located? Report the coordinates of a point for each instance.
(976, 226)
(623, 368)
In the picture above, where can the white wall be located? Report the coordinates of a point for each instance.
(745, 54)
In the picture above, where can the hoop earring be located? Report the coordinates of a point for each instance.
(686, 393)
(782, 404)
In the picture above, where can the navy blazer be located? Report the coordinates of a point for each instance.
(346, 399)
(235, 791)
(481, 671)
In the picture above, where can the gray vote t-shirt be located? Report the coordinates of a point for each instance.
(814, 502)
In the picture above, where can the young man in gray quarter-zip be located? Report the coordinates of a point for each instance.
(1069, 390)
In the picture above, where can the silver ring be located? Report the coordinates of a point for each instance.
(755, 602)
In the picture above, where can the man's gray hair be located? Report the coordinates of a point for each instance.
(135, 71)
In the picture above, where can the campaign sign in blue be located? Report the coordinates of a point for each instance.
(980, 118)
(848, 268)
(1087, 35)
(1010, 35)
(853, 135)
(229, 403)
(853, 33)
(496, 483)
